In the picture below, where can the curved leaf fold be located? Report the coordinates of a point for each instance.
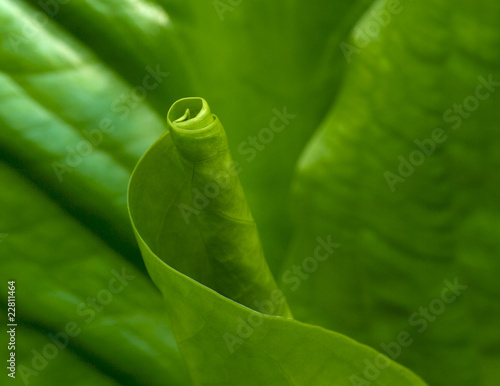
(211, 270)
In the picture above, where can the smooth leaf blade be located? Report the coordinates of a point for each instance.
(246, 347)
(200, 209)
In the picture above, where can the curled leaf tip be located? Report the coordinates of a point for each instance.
(196, 132)
(185, 117)
(190, 114)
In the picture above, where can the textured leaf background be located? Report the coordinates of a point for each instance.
(85, 87)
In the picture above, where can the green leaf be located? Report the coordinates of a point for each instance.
(77, 138)
(80, 293)
(187, 193)
(78, 109)
(209, 265)
(32, 348)
(400, 172)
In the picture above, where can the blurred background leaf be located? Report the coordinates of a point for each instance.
(429, 68)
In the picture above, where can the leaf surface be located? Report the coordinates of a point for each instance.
(223, 341)
(81, 294)
(400, 173)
